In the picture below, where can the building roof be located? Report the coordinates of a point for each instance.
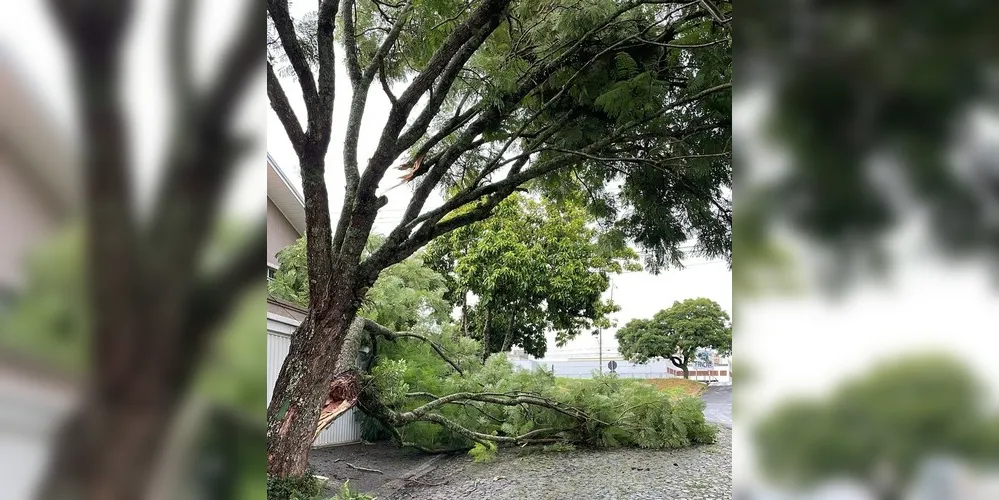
(39, 148)
(285, 196)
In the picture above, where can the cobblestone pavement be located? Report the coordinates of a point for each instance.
(699, 473)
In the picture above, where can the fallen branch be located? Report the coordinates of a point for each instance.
(417, 481)
(377, 330)
(365, 469)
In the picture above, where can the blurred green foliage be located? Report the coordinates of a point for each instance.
(889, 419)
(48, 324)
(874, 109)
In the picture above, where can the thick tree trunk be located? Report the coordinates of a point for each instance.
(302, 387)
(107, 451)
(686, 371)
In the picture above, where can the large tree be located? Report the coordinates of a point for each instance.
(489, 96)
(677, 333)
(534, 267)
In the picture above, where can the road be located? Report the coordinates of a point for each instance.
(719, 404)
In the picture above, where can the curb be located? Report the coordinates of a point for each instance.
(417, 472)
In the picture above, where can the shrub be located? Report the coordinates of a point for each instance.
(347, 493)
(623, 412)
(307, 487)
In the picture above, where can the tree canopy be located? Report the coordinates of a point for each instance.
(677, 333)
(534, 267)
(621, 107)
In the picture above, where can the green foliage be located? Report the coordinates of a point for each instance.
(307, 487)
(624, 412)
(404, 294)
(535, 267)
(291, 279)
(484, 452)
(347, 493)
(897, 414)
(677, 332)
(49, 319)
(660, 68)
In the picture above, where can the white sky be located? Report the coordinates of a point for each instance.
(30, 39)
(639, 294)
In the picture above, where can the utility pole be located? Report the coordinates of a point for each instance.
(600, 335)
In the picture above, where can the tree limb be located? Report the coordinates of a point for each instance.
(181, 81)
(378, 330)
(386, 151)
(278, 12)
(321, 111)
(216, 294)
(385, 85)
(285, 113)
(350, 42)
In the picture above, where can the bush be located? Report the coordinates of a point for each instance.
(348, 493)
(307, 487)
(624, 412)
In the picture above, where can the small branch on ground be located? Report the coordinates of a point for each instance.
(365, 469)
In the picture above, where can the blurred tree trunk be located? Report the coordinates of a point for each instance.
(150, 315)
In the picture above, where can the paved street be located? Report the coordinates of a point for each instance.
(719, 404)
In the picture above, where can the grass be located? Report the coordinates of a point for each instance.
(678, 386)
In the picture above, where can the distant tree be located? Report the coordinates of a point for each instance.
(535, 267)
(879, 427)
(677, 333)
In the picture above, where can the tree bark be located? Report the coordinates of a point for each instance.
(508, 338)
(485, 336)
(464, 315)
(301, 388)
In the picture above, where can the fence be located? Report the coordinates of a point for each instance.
(346, 429)
(624, 369)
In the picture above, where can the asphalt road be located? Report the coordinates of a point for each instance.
(719, 404)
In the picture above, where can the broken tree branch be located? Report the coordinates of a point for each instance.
(378, 330)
